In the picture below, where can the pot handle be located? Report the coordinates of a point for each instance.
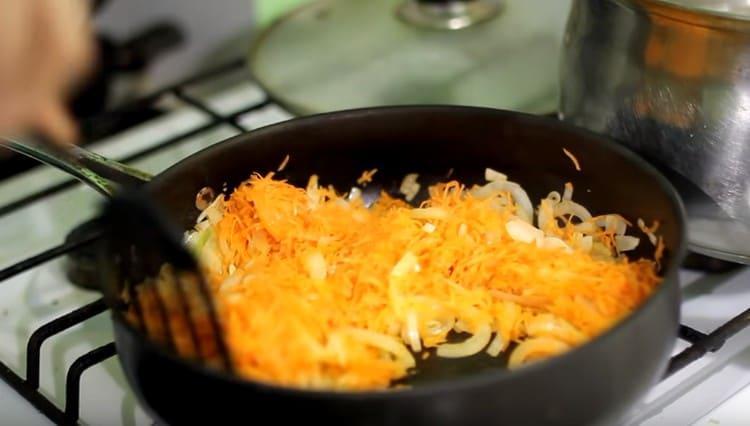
(100, 173)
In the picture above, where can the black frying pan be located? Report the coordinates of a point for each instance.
(597, 383)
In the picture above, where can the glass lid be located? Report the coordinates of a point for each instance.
(339, 54)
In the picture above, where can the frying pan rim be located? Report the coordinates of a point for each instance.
(470, 380)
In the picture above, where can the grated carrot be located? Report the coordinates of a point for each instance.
(366, 177)
(659, 253)
(316, 291)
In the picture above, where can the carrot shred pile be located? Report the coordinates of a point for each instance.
(317, 290)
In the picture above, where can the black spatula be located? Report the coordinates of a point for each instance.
(150, 277)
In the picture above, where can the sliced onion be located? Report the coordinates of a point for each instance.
(585, 243)
(568, 192)
(551, 326)
(586, 227)
(546, 213)
(210, 257)
(214, 211)
(436, 327)
(522, 231)
(552, 243)
(412, 332)
(410, 186)
(500, 204)
(407, 264)
(460, 327)
(197, 240)
(567, 207)
(610, 224)
(485, 191)
(283, 164)
(613, 223)
(313, 194)
(622, 226)
(491, 175)
(520, 197)
(626, 243)
(189, 237)
(525, 208)
(600, 250)
(651, 236)
(496, 345)
(384, 342)
(315, 264)
(468, 347)
(535, 348)
(354, 194)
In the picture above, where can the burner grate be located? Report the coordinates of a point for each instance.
(28, 387)
(702, 343)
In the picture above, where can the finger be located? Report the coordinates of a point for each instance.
(59, 48)
(47, 70)
(15, 40)
(14, 116)
(14, 22)
(84, 55)
(53, 73)
(35, 68)
(54, 122)
(68, 33)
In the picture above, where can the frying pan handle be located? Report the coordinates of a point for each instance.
(100, 173)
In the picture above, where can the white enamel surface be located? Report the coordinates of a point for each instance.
(693, 394)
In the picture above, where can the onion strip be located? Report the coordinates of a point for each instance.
(468, 347)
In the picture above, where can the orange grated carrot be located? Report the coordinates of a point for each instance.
(659, 253)
(366, 177)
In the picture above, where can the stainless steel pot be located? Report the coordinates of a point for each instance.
(672, 80)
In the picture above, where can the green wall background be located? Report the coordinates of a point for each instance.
(268, 10)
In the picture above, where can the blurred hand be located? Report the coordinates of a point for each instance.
(46, 47)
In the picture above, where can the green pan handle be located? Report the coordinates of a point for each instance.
(100, 173)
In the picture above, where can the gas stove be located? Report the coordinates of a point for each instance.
(57, 359)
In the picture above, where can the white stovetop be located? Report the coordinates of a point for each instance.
(713, 391)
